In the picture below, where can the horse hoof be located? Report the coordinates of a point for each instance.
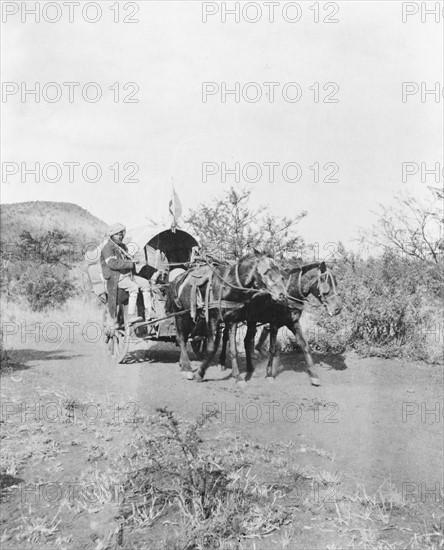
(269, 379)
(187, 374)
(315, 382)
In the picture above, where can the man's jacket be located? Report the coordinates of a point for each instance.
(114, 262)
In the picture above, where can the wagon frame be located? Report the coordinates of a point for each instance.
(156, 250)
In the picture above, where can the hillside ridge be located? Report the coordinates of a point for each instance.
(38, 217)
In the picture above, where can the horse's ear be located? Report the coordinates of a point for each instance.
(322, 267)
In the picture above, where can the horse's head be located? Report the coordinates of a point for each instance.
(268, 276)
(324, 288)
(315, 279)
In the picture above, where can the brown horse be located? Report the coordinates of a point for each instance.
(210, 295)
(315, 279)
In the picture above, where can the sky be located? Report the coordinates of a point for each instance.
(174, 131)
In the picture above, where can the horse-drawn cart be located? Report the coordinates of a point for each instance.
(159, 254)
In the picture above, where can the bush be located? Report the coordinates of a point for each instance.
(177, 477)
(6, 362)
(46, 287)
(389, 304)
(41, 272)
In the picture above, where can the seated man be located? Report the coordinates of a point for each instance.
(118, 271)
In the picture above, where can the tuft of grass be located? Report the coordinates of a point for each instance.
(35, 528)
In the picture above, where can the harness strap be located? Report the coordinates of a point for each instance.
(208, 294)
(292, 298)
(250, 275)
(299, 303)
(236, 272)
(225, 304)
(225, 282)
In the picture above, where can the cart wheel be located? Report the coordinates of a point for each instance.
(116, 337)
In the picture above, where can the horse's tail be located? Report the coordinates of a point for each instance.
(169, 300)
(172, 303)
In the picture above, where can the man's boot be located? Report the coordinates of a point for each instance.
(132, 308)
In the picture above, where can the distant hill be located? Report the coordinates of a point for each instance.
(38, 217)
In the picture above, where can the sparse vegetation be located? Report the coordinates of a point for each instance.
(171, 484)
(177, 485)
(6, 362)
(42, 253)
(391, 307)
(213, 498)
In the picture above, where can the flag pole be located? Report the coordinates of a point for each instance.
(173, 207)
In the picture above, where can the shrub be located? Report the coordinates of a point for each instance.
(173, 472)
(40, 270)
(6, 362)
(46, 287)
(388, 303)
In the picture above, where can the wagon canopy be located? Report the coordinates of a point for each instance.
(159, 246)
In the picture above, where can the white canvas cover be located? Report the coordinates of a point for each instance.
(137, 242)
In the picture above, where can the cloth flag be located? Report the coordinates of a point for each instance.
(175, 209)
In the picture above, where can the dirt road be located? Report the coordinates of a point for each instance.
(375, 420)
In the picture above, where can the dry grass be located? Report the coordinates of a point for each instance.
(80, 310)
(213, 497)
(172, 487)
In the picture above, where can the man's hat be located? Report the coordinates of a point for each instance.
(116, 228)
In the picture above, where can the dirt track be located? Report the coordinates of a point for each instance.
(369, 414)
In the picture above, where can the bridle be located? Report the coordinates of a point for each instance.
(328, 280)
(325, 278)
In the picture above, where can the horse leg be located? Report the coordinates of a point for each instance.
(249, 345)
(273, 342)
(260, 346)
(223, 353)
(198, 338)
(233, 350)
(183, 329)
(212, 345)
(300, 340)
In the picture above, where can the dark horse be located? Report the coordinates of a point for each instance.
(315, 279)
(212, 294)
